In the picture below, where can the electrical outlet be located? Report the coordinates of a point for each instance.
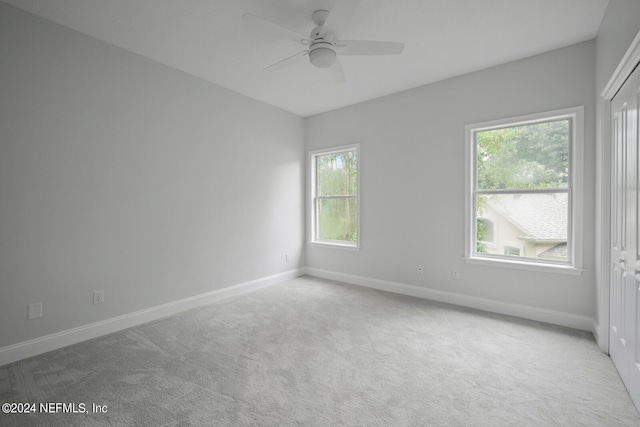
(421, 269)
(455, 274)
(35, 310)
(98, 297)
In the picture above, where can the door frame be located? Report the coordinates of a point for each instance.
(603, 192)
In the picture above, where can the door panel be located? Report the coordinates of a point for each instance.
(624, 346)
(617, 345)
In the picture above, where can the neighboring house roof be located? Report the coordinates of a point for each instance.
(558, 251)
(539, 216)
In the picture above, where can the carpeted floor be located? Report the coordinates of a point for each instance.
(310, 352)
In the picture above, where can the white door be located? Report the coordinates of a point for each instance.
(624, 346)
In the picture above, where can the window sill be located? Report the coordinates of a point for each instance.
(528, 266)
(334, 245)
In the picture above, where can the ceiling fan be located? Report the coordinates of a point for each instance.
(324, 41)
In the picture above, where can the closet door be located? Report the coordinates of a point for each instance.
(624, 346)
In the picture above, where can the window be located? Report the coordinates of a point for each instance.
(511, 251)
(335, 196)
(525, 174)
(485, 232)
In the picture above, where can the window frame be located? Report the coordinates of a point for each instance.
(575, 193)
(312, 230)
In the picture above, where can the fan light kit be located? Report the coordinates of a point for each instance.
(324, 42)
(322, 54)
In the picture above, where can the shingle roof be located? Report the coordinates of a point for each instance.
(559, 251)
(539, 216)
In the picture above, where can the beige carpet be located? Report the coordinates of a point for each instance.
(310, 352)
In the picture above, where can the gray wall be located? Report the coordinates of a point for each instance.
(122, 174)
(619, 26)
(412, 151)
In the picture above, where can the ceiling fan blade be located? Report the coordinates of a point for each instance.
(337, 72)
(287, 61)
(338, 19)
(366, 47)
(277, 29)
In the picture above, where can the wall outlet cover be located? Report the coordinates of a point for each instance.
(98, 297)
(35, 310)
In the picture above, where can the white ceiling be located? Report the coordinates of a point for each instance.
(443, 38)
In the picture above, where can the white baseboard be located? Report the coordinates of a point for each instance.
(57, 340)
(517, 310)
(50, 342)
(602, 342)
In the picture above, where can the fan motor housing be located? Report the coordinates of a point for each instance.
(322, 54)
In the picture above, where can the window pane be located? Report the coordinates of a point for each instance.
(337, 174)
(510, 250)
(485, 230)
(524, 225)
(528, 156)
(337, 219)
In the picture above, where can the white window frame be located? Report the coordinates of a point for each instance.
(313, 224)
(576, 181)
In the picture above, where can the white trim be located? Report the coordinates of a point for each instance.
(577, 187)
(328, 244)
(575, 235)
(333, 150)
(541, 117)
(469, 185)
(628, 62)
(518, 264)
(36, 346)
(595, 330)
(517, 310)
(603, 224)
